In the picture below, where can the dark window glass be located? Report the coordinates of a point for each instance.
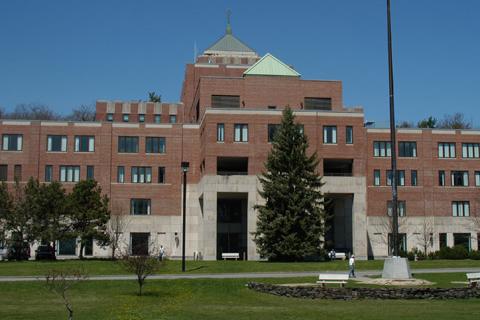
(67, 247)
(402, 239)
(382, 149)
(161, 174)
(272, 131)
(446, 150)
(12, 142)
(128, 144)
(57, 143)
(414, 178)
(17, 172)
(140, 206)
(158, 118)
(219, 101)
(330, 134)
(459, 178)
(407, 149)
(312, 103)
(110, 117)
(48, 173)
(88, 249)
(69, 173)
(441, 178)
(220, 132)
(460, 208)
(155, 145)
(173, 118)
(442, 237)
(139, 243)
(3, 172)
(376, 177)
(401, 208)
(121, 174)
(400, 177)
(141, 118)
(462, 239)
(470, 150)
(240, 132)
(84, 143)
(125, 117)
(90, 172)
(141, 175)
(349, 135)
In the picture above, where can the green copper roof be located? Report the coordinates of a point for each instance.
(268, 65)
(229, 43)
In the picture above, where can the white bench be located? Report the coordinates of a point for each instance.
(340, 278)
(473, 279)
(230, 255)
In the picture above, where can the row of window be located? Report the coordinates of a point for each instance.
(140, 175)
(400, 177)
(309, 103)
(459, 208)
(17, 172)
(457, 178)
(409, 149)
(157, 118)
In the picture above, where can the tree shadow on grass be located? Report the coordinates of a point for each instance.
(196, 268)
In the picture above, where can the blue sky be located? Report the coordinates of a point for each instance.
(67, 53)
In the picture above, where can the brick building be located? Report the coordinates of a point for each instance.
(231, 102)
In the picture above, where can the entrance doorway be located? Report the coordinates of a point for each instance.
(139, 243)
(339, 234)
(232, 224)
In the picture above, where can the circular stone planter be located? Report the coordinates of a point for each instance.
(317, 292)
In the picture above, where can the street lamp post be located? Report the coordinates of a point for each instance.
(185, 166)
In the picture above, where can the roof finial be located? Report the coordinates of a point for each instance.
(229, 27)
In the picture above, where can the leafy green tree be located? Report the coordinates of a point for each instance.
(6, 208)
(153, 97)
(89, 213)
(429, 122)
(290, 224)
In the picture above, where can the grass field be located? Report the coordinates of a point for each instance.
(106, 267)
(216, 299)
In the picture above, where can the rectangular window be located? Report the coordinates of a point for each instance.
(441, 178)
(141, 117)
(17, 172)
(442, 239)
(459, 178)
(141, 175)
(127, 144)
(400, 177)
(446, 150)
(57, 143)
(241, 132)
(463, 239)
(12, 142)
(414, 178)
(125, 117)
(90, 172)
(470, 150)
(69, 173)
(161, 174)
(272, 131)
(382, 149)
(407, 149)
(140, 206)
(349, 135)
(67, 247)
(313, 103)
(84, 143)
(376, 177)
(155, 145)
(139, 243)
(173, 118)
(3, 172)
(329, 134)
(220, 132)
(222, 101)
(401, 209)
(402, 243)
(121, 174)
(477, 182)
(109, 117)
(460, 208)
(158, 118)
(48, 173)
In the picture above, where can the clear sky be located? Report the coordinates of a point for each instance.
(65, 53)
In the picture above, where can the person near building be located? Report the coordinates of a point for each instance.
(351, 266)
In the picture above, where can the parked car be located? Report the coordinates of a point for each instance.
(45, 252)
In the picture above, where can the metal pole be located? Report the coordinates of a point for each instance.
(395, 241)
(184, 217)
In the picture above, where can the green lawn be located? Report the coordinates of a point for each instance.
(106, 267)
(216, 299)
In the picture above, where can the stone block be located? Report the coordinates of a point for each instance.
(396, 268)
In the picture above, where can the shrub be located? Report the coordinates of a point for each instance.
(474, 255)
(415, 252)
(455, 253)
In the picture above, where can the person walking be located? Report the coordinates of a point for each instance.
(351, 266)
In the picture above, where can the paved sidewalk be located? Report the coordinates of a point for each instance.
(245, 275)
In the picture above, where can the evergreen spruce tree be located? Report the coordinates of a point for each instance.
(290, 224)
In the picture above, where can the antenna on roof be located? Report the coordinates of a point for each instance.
(194, 51)
(229, 27)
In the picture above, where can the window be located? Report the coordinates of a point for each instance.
(17, 172)
(139, 243)
(312, 103)
(401, 208)
(460, 208)
(382, 149)
(470, 150)
(349, 135)
(48, 173)
(155, 145)
(272, 131)
(220, 132)
(414, 178)
(3, 172)
(125, 117)
(459, 178)
(477, 182)
(57, 143)
(407, 149)
(446, 150)
(90, 172)
(402, 243)
(223, 101)
(173, 118)
(441, 178)
(158, 118)
(110, 117)
(121, 174)
(67, 247)
(161, 174)
(462, 239)
(84, 143)
(241, 132)
(400, 177)
(141, 117)
(128, 144)
(69, 173)
(12, 142)
(141, 175)
(329, 134)
(442, 240)
(140, 206)
(376, 177)
(88, 248)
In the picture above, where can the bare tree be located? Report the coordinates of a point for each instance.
(405, 124)
(2, 113)
(142, 266)
(33, 111)
(117, 225)
(60, 282)
(82, 113)
(425, 233)
(454, 121)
